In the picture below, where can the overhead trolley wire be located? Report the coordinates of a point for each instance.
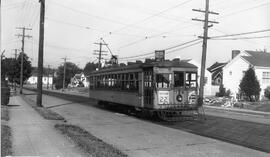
(157, 14)
(169, 48)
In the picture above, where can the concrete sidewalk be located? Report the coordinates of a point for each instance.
(141, 138)
(34, 136)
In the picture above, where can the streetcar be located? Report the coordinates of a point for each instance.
(166, 88)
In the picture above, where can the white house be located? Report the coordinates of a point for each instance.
(234, 71)
(45, 80)
(79, 78)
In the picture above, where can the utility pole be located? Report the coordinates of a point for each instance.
(52, 77)
(204, 46)
(22, 53)
(64, 77)
(100, 54)
(15, 57)
(40, 53)
(48, 76)
(16, 53)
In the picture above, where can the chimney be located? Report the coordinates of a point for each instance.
(176, 60)
(235, 53)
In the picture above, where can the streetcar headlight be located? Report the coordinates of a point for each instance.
(179, 98)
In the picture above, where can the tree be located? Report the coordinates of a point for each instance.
(267, 92)
(89, 67)
(11, 68)
(71, 70)
(250, 85)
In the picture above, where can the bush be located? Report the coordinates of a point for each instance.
(222, 91)
(228, 93)
(267, 92)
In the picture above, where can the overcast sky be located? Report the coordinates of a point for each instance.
(132, 27)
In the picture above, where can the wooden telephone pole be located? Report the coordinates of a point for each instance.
(64, 77)
(100, 54)
(40, 53)
(204, 49)
(22, 53)
(15, 57)
(48, 76)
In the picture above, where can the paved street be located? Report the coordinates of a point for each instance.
(35, 136)
(239, 114)
(140, 138)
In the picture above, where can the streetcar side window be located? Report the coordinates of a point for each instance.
(123, 82)
(91, 82)
(191, 79)
(178, 79)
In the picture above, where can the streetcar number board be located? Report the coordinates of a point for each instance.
(163, 97)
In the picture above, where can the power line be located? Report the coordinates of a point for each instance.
(168, 52)
(188, 42)
(245, 33)
(243, 10)
(159, 13)
(241, 38)
(196, 43)
(166, 49)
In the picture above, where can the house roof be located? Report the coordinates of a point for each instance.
(258, 58)
(216, 66)
(78, 76)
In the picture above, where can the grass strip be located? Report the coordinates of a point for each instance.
(48, 114)
(89, 143)
(6, 145)
(44, 112)
(4, 113)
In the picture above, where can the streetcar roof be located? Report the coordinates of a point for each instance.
(162, 64)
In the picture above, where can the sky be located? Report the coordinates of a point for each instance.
(132, 28)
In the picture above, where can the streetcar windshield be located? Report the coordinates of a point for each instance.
(163, 80)
(191, 79)
(178, 79)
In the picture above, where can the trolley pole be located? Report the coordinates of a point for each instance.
(40, 53)
(204, 47)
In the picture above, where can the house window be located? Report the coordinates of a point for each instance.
(266, 77)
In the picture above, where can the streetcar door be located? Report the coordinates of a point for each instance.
(148, 90)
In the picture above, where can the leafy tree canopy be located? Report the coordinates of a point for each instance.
(89, 67)
(71, 70)
(11, 68)
(250, 85)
